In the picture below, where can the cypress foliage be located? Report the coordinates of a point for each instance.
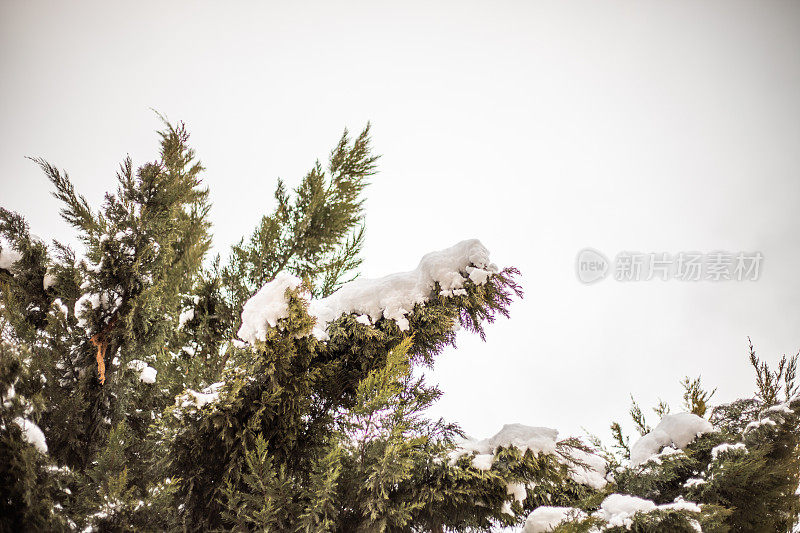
(745, 474)
(127, 402)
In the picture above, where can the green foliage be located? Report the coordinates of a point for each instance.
(621, 442)
(745, 474)
(662, 409)
(638, 418)
(88, 318)
(351, 401)
(770, 383)
(695, 398)
(296, 434)
(316, 232)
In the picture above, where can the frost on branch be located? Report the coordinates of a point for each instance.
(390, 297)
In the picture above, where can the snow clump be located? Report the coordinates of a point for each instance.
(391, 297)
(676, 430)
(32, 434)
(147, 374)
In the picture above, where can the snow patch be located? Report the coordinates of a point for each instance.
(60, 305)
(185, 316)
(780, 408)
(758, 423)
(544, 519)
(32, 434)
(694, 482)
(483, 461)
(518, 491)
(676, 430)
(192, 398)
(726, 447)
(536, 439)
(618, 510)
(147, 374)
(593, 474)
(266, 307)
(94, 300)
(49, 279)
(8, 255)
(391, 297)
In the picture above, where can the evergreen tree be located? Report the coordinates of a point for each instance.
(743, 471)
(142, 390)
(90, 323)
(316, 233)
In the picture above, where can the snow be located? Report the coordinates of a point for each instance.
(60, 305)
(665, 453)
(780, 408)
(8, 255)
(676, 430)
(593, 474)
(49, 279)
(9, 395)
(681, 505)
(544, 519)
(758, 423)
(193, 398)
(694, 482)
(726, 447)
(618, 510)
(185, 316)
(483, 461)
(32, 434)
(95, 300)
(266, 307)
(518, 491)
(391, 297)
(147, 374)
(536, 439)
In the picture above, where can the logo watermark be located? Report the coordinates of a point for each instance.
(592, 266)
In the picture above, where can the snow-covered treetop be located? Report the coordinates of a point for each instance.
(391, 297)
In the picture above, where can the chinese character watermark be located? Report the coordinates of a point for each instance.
(592, 266)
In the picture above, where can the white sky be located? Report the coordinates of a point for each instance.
(540, 128)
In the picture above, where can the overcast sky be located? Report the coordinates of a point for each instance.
(540, 128)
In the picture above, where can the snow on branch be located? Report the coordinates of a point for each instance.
(32, 434)
(676, 430)
(8, 255)
(584, 467)
(391, 297)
